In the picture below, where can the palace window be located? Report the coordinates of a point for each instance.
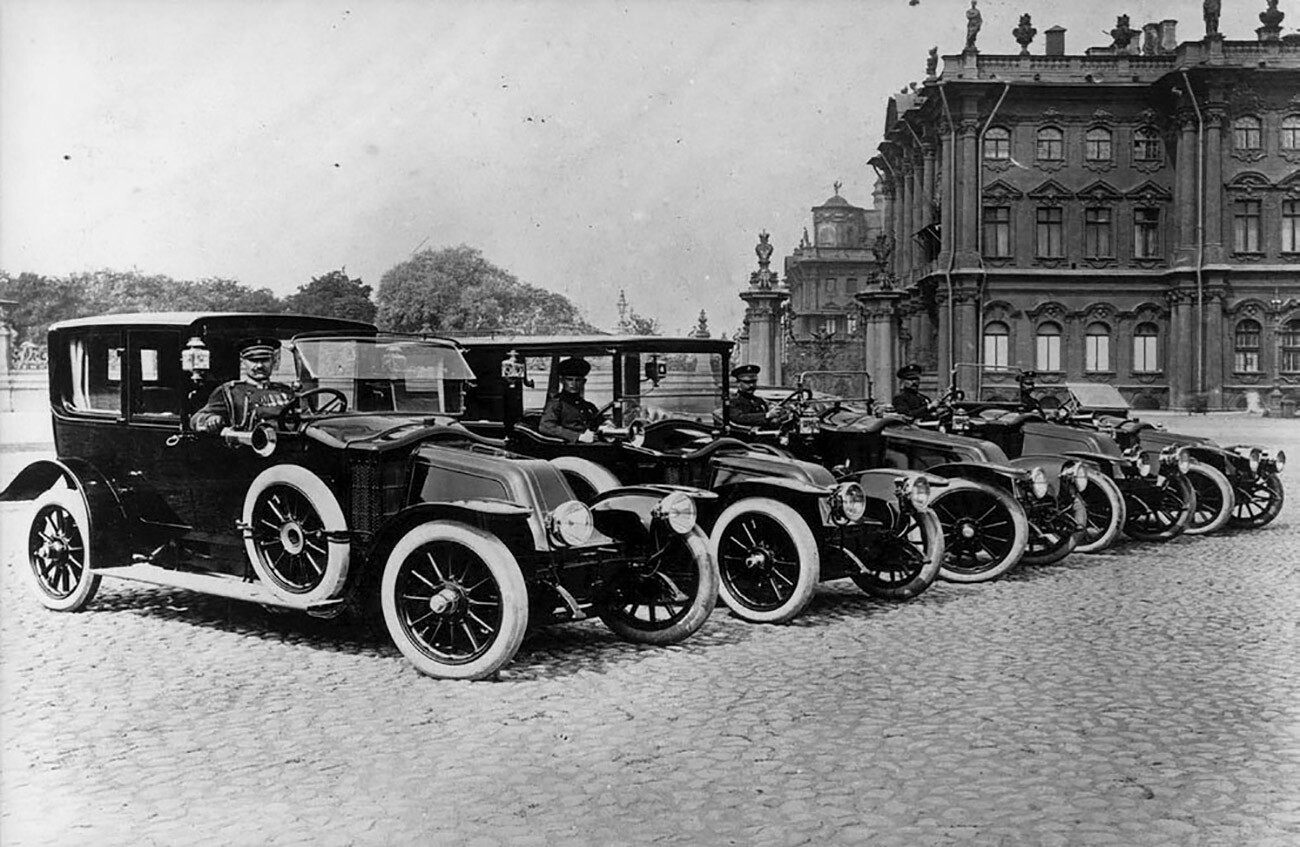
(1050, 232)
(1096, 349)
(997, 144)
(1245, 226)
(1146, 233)
(1146, 145)
(1096, 145)
(1291, 133)
(1245, 358)
(1246, 134)
(1051, 144)
(997, 231)
(1291, 346)
(1291, 226)
(1097, 229)
(1146, 339)
(1049, 347)
(997, 346)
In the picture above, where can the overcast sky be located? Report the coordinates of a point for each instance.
(583, 146)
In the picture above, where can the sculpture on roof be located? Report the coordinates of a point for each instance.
(1024, 34)
(932, 62)
(1210, 11)
(1122, 33)
(763, 249)
(974, 20)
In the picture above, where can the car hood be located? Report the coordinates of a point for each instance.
(382, 432)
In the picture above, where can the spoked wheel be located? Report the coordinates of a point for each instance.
(984, 531)
(1057, 534)
(454, 601)
(1257, 502)
(907, 561)
(1214, 499)
(291, 515)
(768, 561)
(58, 554)
(667, 596)
(1160, 512)
(1104, 503)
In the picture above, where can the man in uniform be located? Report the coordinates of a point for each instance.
(1028, 382)
(242, 402)
(909, 400)
(568, 415)
(747, 408)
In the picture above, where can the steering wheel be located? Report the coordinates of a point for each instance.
(337, 403)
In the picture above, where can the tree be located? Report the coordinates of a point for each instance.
(333, 295)
(38, 302)
(456, 290)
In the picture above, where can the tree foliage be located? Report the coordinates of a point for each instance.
(333, 295)
(457, 290)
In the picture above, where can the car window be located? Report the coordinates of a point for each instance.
(96, 371)
(156, 375)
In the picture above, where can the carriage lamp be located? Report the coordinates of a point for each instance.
(196, 359)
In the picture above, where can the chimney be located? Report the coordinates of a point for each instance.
(1168, 41)
(1055, 41)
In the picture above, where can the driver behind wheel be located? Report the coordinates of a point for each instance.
(568, 415)
(747, 408)
(253, 397)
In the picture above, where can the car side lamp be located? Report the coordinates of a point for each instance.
(514, 370)
(196, 359)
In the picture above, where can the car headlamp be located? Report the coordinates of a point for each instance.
(571, 523)
(848, 502)
(1038, 482)
(1077, 473)
(809, 425)
(1143, 463)
(1279, 461)
(917, 490)
(678, 510)
(1255, 455)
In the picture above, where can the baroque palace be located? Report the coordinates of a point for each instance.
(1129, 215)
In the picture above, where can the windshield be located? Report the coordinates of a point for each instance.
(385, 373)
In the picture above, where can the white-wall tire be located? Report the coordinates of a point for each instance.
(1106, 513)
(293, 535)
(58, 552)
(1214, 499)
(768, 562)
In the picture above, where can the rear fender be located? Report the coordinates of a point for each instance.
(106, 518)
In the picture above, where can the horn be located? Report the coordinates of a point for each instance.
(262, 439)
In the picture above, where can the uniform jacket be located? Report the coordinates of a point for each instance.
(568, 416)
(748, 409)
(910, 402)
(239, 403)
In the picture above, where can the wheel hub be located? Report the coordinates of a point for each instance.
(757, 558)
(445, 601)
(292, 538)
(967, 530)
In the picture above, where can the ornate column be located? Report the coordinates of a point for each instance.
(966, 294)
(879, 322)
(1215, 122)
(763, 306)
(1185, 189)
(1214, 352)
(903, 238)
(1181, 361)
(918, 215)
(967, 179)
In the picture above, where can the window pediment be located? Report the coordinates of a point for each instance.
(1051, 191)
(1149, 192)
(1100, 192)
(1001, 191)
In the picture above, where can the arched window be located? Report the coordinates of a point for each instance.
(1049, 347)
(1246, 133)
(1096, 145)
(1146, 145)
(1245, 357)
(997, 144)
(997, 346)
(1051, 144)
(1146, 349)
(1096, 348)
(1291, 132)
(1291, 346)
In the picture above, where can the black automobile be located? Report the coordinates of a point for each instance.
(778, 525)
(363, 491)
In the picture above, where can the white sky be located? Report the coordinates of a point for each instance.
(583, 146)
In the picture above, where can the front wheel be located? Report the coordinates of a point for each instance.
(907, 561)
(985, 531)
(768, 562)
(1104, 503)
(1214, 499)
(1160, 512)
(668, 596)
(58, 552)
(454, 601)
(1257, 503)
(1056, 535)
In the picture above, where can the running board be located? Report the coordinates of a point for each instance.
(219, 584)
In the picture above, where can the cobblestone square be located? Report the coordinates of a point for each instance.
(1148, 695)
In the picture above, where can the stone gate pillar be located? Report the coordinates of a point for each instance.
(880, 331)
(764, 301)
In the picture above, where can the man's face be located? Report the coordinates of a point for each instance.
(259, 369)
(912, 383)
(746, 384)
(573, 384)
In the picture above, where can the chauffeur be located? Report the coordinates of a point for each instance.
(747, 408)
(567, 415)
(239, 402)
(909, 400)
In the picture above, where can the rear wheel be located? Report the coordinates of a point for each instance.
(1257, 502)
(907, 561)
(1104, 503)
(454, 601)
(768, 562)
(1214, 499)
(1160, 512)
(669, 595)
(984, 531)
(58, 552)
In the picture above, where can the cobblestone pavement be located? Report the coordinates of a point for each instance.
(1145, 696)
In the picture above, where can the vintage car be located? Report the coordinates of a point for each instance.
(362, 492)
(1003, 512)
(779, 525)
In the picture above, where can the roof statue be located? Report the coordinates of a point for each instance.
(974, 20)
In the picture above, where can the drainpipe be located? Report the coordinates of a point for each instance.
(1200, 238)
(951, 226)
(979, 232)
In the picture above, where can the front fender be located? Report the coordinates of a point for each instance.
(1000, 476)
(510, 522)
(106, 517)
(624, 512)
